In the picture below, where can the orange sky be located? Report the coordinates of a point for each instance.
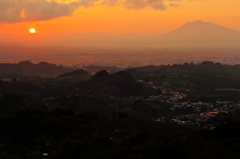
(118, 18)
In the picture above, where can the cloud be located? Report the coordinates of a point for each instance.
(139, 4)
(200, 0)
(174, 5)
(13, 11)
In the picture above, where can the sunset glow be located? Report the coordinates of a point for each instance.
(143, 17)
(32, 31)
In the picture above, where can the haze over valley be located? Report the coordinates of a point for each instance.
(193, 42)
(119, 57)
(191, 34)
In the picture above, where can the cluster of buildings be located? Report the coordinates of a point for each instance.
(198, 113)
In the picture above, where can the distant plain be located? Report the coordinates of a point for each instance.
(119, 57)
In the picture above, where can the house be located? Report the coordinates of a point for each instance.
(45, 154)
(6, 80)
(162, 119)
(189, 122)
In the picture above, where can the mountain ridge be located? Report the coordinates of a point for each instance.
(199, 34)
(204, 25)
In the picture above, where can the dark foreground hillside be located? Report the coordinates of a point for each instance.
(64, 135)
(76, 115)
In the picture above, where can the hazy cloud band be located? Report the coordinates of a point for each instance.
(13, 11)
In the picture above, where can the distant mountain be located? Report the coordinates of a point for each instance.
(198, 34)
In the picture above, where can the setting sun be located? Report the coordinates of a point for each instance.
(32, 31)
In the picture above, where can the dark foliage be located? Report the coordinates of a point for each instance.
(75, 73)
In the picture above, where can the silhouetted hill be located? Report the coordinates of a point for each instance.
(94, 69)
(121, 75)
(100, 75)
(75, 73)
(26, 64)
(26, 68)
(124, 75)
(121, 81)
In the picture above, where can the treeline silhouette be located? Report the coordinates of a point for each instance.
(26, 68)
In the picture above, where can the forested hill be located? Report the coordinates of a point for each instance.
(26, 68)
(213, 80)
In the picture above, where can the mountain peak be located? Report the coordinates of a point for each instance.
(198, 21)
(199, 33)
(199, 25)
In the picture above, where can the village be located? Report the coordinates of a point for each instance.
(201, 114)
